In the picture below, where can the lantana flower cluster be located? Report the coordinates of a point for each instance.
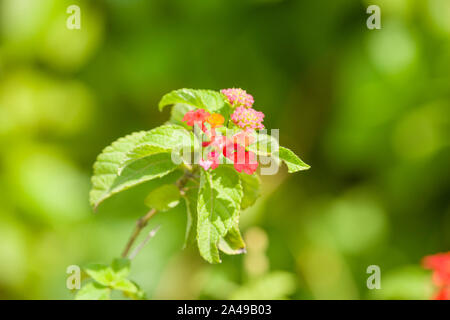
(243, 122)
(248, 118)
(440, 264)
(238, 97)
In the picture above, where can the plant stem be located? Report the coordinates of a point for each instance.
(140, 224)
(143, 221)
(143, 243)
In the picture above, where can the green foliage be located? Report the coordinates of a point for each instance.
(218, 209)
(232, 242)
(106, 278)
(264, 144)
(251, 185)
(121, 267)
(93, 291)
(203, 99)
(163, 198)
(140, 152)
(135, 159)
(178, 112)
(140, 171)
(293, 162)
(191, 197)
(267, 145)
(165, 138)
(168, 137)
(101, 273)
(106, 168)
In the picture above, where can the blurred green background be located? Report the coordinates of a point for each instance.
(368, 109)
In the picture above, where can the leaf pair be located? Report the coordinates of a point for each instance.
(107, 278)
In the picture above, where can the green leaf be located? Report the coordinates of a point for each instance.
(251, 185)
(93, 291)
(209, 100)
(139, 294)
(267, 145)
(169, 136)
(162, 139)
(140, 152)
(114, 276)
(125, 151)
(264, 145)
(163, 198)
(177, 114)
(101, 273)
(190, 198)
(124, 285)
(121, 267)
(218, 207)
(232, 243)
(140, 171)
(293, 162)
(106, 167)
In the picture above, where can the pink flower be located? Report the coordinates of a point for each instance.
(212, 136)
(213, 156)
(243, 160)
(212, 161)
(247, 163)
(198, 116)
(248, 118)
(244, 138)
(238, 97)
(218, 142)
(205, 164)
(214, 147)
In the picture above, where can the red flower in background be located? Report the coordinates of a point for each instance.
(440, 264)
(443, 294)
